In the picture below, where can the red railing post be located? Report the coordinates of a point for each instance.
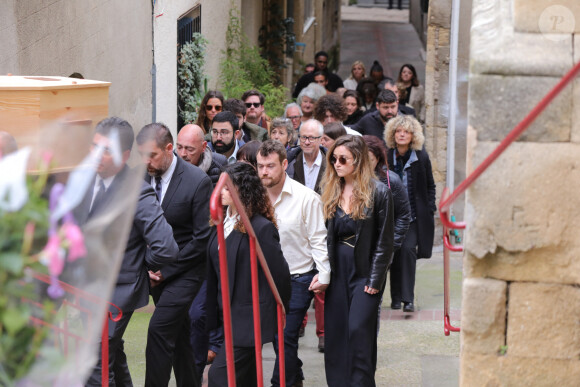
(105, 353)
(448, 199)
(256, 254)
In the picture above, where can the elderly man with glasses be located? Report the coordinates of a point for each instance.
(307, 162)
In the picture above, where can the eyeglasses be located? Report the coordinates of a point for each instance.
(254, 104)
(308, 138)
(341, 160)
(217, 108)
(223, 133)
(293, 117)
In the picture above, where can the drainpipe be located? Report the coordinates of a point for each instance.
(153, 67)
(452, 94)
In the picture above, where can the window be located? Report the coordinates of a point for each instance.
(188, 24)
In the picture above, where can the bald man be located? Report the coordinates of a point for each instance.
(192, 148)
(7, 144)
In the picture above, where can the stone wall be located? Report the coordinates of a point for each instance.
(521, 296)
(102, 40)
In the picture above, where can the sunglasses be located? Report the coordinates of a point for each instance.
(254, 104)
(217, 108)
(341, 160)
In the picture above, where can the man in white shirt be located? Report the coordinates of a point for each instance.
(303, 239)
(307, 163)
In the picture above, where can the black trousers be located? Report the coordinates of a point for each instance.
(404, 267)
(168, 337)
(118, 369)
(245, 364)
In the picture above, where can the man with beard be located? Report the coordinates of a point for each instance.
(184, 192)
(374, 123)
(224, 133)
(303, 240)
(192, 148)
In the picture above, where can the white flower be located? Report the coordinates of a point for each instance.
(13, 192)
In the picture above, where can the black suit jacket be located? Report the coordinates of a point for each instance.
(186, 208)
(238, 256)
(150, 242)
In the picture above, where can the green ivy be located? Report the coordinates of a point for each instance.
(243, 68)
(192, 84)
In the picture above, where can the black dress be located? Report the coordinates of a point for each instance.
(351, 315)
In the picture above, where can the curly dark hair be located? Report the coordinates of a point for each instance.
(332, 103)
(252, 192)
(202, 119)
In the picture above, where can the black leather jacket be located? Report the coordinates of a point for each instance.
(373, 247)
(401, 207)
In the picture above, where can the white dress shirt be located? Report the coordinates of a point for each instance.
(311, 173)
(302, 231)
(165, 178)
(106, 182)
(229, 222)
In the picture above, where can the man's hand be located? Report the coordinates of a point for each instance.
(155, 278)
(316, 286)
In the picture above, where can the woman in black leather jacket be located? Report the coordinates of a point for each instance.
(359, 214)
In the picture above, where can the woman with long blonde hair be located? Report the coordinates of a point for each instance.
(358, 209)
(357, 72)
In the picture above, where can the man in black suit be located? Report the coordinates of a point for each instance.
(373, 123)
(150, 242)
(307, 162)
(184, 191)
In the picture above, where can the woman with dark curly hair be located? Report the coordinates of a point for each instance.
(330, 108)
(353, 104)
(359, 213)
(259, 210)
(406, 156)
(211, 105)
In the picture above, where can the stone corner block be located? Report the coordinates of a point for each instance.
(483, 315)
(547, 17)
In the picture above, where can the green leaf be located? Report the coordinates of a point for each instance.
(11, 262)
(15, 319)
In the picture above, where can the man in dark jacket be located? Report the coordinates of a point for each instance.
(374, 123)
(192, 147)
(307, 162)
(248, 131)
(321, 63)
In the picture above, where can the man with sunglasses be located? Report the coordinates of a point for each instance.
(248, 131)
(254, 101)
(307, 161)
(303, 241)
(321, 63)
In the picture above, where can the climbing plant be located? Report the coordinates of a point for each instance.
(192, 84)
(277, 38)
(243, 68)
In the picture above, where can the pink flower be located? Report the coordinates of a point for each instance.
(52, 255)
(76, 241)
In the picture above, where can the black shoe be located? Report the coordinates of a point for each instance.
(408, 307)
(321, 344)
(301, 332)
(396, 305)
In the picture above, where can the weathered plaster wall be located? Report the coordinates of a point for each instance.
(103, 40)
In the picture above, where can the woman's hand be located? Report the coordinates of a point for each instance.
(370, 290)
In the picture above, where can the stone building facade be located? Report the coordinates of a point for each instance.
(521, 293)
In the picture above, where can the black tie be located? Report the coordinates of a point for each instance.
(99, 197)
(158, 188)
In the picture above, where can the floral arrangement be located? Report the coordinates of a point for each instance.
(31, 242)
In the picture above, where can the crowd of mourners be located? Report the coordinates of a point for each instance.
(339, 191)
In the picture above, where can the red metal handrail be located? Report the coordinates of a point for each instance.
(79, 297)
(448, 199)
(217, 215)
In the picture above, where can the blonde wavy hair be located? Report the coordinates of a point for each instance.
(411, 125)
(333, 185)
(358, 63)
